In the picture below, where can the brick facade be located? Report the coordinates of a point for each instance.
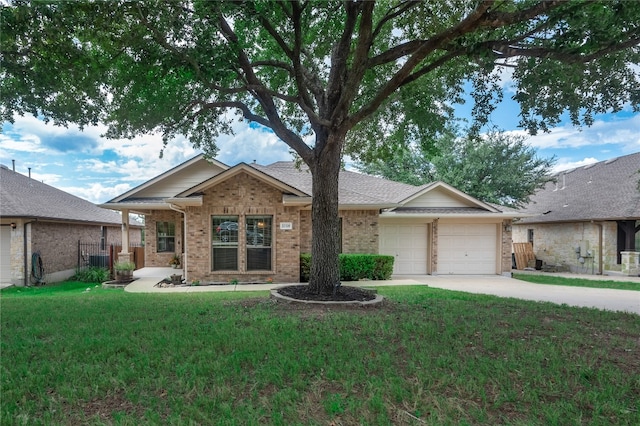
(57, 244)
(242, 196)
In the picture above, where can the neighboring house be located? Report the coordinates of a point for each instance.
(37, 218)
(251, 222)
(588, 220)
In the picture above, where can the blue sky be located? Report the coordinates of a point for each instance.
(89, 166)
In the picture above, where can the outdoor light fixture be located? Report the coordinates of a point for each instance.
(13, 225)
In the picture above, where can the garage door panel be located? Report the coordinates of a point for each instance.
(467, 249)
(407, 243)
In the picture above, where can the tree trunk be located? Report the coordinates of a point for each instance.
(325, 243)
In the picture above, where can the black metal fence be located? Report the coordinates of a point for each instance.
(105, 255)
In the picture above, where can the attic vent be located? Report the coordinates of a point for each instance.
(610, 161)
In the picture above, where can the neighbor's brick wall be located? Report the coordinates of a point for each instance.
(58, 243)
(243, 195)
(555, 244)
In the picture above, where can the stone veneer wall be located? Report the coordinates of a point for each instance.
(555, 244)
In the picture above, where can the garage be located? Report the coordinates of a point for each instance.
(5, 254)
(467, 248)
(407, 243)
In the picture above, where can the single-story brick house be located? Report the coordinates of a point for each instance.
(251, 222)
(37, 218)
(588, 220)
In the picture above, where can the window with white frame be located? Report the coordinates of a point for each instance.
(166, 237)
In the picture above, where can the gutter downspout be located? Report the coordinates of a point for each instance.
(600, 256)
(184, 237)
(24, 253)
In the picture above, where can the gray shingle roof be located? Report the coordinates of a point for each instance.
(23, 197)
(354, 188)
(607, 190)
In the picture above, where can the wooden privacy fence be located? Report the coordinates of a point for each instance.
(104, 256)
(524, 255)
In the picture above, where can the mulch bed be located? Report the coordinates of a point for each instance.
(344, 294)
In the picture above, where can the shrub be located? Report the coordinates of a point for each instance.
(354, 267)
(92, 274)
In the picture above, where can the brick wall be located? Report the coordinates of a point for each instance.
(152, 257)
(58, 244)
(240, 196)
(506, 247)
(359, 231)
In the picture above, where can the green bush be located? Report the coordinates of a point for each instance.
(92, 274)
(354, 267)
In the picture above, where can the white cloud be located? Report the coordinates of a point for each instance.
(624, 132)
(567, 165)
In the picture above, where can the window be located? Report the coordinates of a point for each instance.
(166, 236)
(224, 252)
(103, 238)
(259, 231)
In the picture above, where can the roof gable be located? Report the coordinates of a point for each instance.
(177, 180)
(243, 168)
(607, 190)
(442, 195)
(24, 197)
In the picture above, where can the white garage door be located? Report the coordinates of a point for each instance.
(5, 254)
(467, 249)
(408, 244)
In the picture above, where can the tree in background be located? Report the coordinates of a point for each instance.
(496, 167)
(318, 74)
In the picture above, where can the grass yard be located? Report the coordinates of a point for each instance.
(428, 356)
(578, 282)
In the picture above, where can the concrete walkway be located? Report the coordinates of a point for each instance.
(607, 299)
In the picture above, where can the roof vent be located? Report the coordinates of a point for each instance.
(588, 166)
(568, 171)
(610, 161)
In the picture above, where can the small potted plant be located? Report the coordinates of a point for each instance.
(175, 261)
(124, 271)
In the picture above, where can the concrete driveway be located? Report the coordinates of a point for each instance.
(612, 300)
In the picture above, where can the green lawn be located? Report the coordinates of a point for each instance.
(428, 356)
(578, 282)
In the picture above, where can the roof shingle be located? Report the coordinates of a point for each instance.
(607, 190)
(21, 196)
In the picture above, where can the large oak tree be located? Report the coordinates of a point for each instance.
(325, 70)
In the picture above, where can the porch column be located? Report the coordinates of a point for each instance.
(630, 266)
(124, 255)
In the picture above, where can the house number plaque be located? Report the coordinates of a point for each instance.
(286, 225)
